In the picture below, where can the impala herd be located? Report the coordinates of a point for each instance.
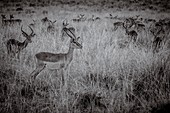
(62, 60)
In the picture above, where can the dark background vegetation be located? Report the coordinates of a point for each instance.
(162, 5)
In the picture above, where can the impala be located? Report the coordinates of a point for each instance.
(33, 24)
(55, 60)
(132, 35)
(79, 18)
(14, 21)
(10, 21)
(117, 24)
(51, 27)
(129, 22)
(47, 21)
(159, 36)
(14, 47)
(48, 25)
(4, 21)
(140, 26)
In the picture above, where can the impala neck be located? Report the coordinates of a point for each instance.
(127, 31)
(70, 52)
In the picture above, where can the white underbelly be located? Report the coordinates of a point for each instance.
(52, 65)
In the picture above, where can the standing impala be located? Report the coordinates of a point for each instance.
(132, 34)
(56, 60)
(159, 37)
(14, 47)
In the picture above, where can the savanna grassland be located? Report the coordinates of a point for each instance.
(110, 74)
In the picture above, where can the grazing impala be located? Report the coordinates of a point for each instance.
(55, 61)
(14, 47)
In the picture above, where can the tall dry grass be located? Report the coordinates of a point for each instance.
(107, 75)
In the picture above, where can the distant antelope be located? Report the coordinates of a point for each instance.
(33, 23)
(111, 17)
(156, 28)
(157, 43)
(55, 60)
(129, 22)
(51, 27)
(117, 24)
(45, 21)
(159, 36)
(48, 25)
(132, 35)
(79, 18)
(10, 21)
(15, 21)
(3, 20)
(14, 47)
(148, 20)
(139, 26)
(93, 18)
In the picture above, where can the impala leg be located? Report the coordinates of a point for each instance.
(62, 35)
(64, 86)
(34, 74)
(63, 73)
(62, 77)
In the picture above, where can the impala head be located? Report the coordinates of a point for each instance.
(65, 23)
(75, 44)
(129, 22)
(44, 19)
(28, 37)
(33, 23)
(81, 16)
(51, 23)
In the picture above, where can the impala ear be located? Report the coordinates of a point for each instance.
(65, 22)
(54, 21)
(78, 38)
